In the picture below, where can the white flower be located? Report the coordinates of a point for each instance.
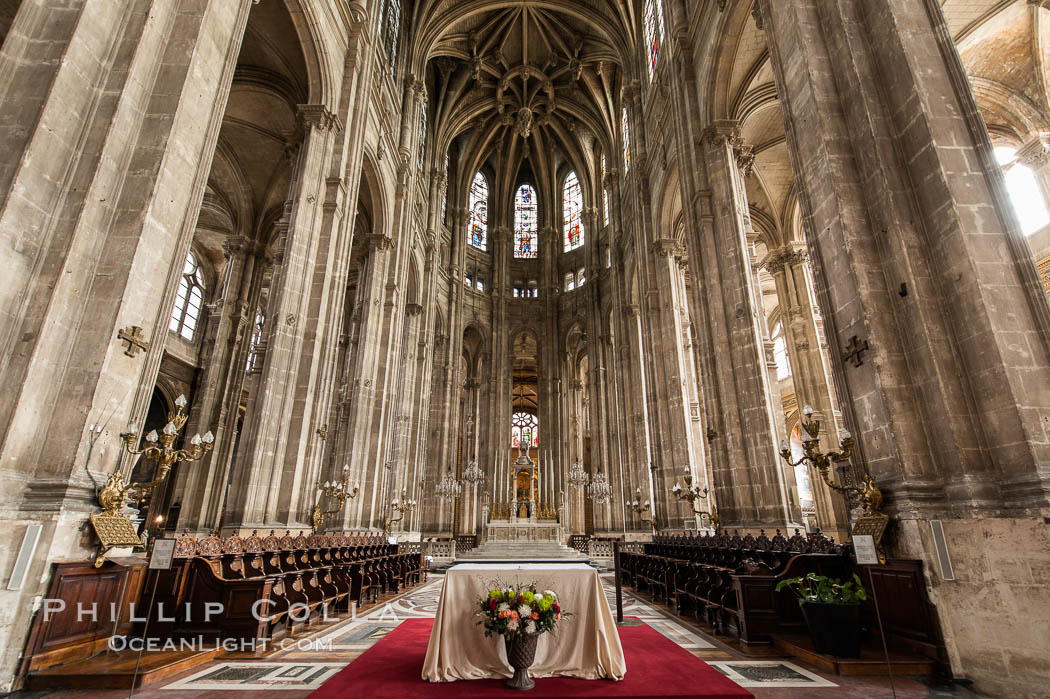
(524, 611)
(550, 593)
(512, 625)
(530, 626)
(503, 607)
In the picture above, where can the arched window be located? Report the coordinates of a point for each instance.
(188, 300)
(479, 216)
(253, 345)
(654, 32)
(390, 30)
(780, 353)
(1024, 191)
(581, 278)
(573, 204)
(570, 281)
(605, 196)
(526, 245)
(524, 430)
(626, 140)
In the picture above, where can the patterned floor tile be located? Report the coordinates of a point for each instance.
(769, 673)
(255, 676)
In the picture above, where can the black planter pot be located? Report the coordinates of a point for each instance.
(521, 652)
(834, 628)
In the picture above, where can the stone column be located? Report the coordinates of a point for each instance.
(788, 265)
(918, 253)
(281, 458)
(108, 121)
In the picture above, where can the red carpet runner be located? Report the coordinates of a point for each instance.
(656, 667)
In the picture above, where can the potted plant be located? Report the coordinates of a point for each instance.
(831, 609)
(519, 614)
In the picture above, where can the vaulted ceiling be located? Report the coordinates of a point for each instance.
(527, 81)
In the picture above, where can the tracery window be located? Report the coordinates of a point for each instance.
(188, 300)
(570, 281)
(780, 353)
(605, 196)
(526, 242)
(390, 30)
(1021, 185)
(524, 431)
(573, 209)
(479, 218)
(654, 32)
(581, 278)
(626, 140)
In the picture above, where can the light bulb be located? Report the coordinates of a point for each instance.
(783, 445)
(169, 428)
(676, 487)
(208, 437)
(807, 410)
(844, 434)
(181, 401)
(196, 441)
(346, 467)
(152, 436)
(356, 486)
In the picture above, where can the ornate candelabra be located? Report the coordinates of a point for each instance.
(693, 494)
(340, 491)
(870, 497)
(401, 506)
(115, 529)
(578, 478)
(635, 506)
(473, 474)
(599, 489)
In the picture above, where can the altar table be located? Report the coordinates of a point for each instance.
(584, 645)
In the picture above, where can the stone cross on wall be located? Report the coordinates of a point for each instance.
(132, 337)
(854, 350)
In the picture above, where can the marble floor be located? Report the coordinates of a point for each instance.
(296, 671)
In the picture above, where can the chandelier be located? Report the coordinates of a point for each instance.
(577, 476)
(599, 490)
(472, 474)
(449, 488)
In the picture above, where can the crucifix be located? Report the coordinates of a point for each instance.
(132, 337)
(854, 350)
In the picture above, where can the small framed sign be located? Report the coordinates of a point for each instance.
(864, 549)
(163, 551)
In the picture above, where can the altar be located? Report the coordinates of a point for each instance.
(585, 645)
(523, 517)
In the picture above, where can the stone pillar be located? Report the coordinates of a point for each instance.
(108, 121)
(740, 424)
(918, 252)
(281, 458)
(788, 265)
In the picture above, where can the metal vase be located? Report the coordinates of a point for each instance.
(521, 652)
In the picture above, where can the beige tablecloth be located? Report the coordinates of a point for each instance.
(585, 645)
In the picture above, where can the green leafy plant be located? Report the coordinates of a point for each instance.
(822, 589)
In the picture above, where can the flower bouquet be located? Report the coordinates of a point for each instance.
(519, 614)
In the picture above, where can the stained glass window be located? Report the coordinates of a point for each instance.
(573, 204)
(188, 300)
(654, 32)
(626, 140)
(479, 217)
(526, 243)
(390, 30)
(605, 196)
(524, 431)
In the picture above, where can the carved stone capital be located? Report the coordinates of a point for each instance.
(318, 116)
